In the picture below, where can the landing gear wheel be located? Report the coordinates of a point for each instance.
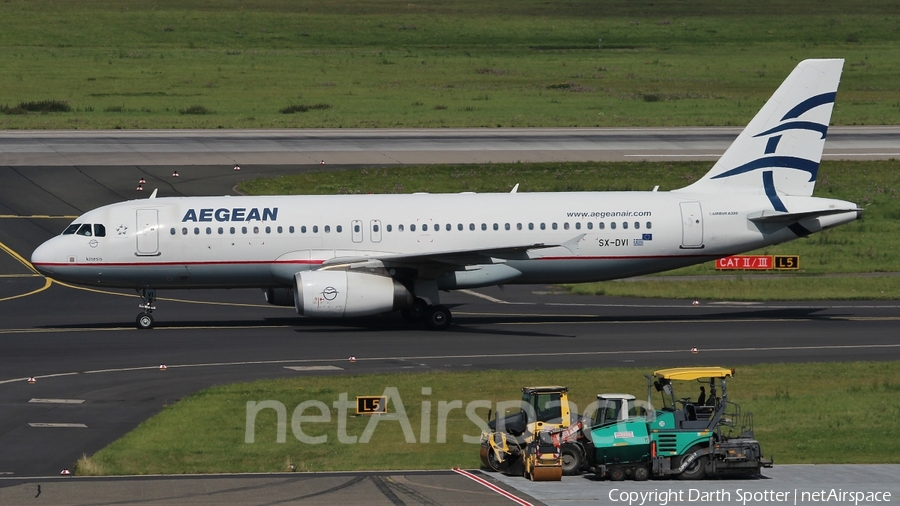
(641, 473)
(416, 312)
(572, 459)
(696, 470)
(437, 318)
(617, 474)
(144, 321)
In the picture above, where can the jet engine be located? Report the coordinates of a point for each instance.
(334, 294)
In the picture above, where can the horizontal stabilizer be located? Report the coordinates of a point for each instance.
(779, 217)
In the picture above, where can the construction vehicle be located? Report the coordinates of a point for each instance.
(545, 411)
(685, 438)
(542, 460)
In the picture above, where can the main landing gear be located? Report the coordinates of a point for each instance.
(145, 319)
(435, 317)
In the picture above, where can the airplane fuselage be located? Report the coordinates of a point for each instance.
(208, 242)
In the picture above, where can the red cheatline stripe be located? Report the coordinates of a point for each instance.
(491, 486)
(166, 264)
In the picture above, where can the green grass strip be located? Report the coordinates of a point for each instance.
(456, 63)
(803, 413)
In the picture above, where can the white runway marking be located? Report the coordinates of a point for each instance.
(56, 401)
(59, 425)
(314, 368)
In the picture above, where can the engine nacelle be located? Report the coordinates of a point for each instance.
(334, 294)
(279, 296)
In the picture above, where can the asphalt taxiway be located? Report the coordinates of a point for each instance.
(80, 344)
(405, 146)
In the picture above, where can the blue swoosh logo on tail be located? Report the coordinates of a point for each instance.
(787, 162)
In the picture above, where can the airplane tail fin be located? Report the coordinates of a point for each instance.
(779, 151)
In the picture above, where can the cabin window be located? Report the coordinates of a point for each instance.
(531, 226)
(459, 226)
(196, 230)
(172, 230)
(437, 228)
(412, 228)
(590, 225)
(315, 229)
(649, 225)
(85, 230)
(484, 226)
(255, 230)
(243, 230)
(637, 225)
(543, 226)
(389, 227)
(279, 229)
(447, 227)
(612, 225)
(554, 226)
(99, 230)
(327, 229)
(424, 227)
(268, 230)
(71, 229)
(291, 229)
(601, 225)
(184, 231)
(231, 230)
(400, 228)
(356, 228)
(518, 226)
(302, 229)
(507, 227)
(624, 224)
(496, 227)
(208, 231)
(221, 230)
(566, 225)
(471, 226)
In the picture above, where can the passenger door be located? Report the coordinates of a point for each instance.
(147, 232)
(691, 225)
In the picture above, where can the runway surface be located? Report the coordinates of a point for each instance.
(80, 345)
(410, 146)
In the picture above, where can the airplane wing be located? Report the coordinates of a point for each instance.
(452, 258)
(447, 258)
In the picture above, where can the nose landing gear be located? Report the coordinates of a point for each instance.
(145, 319)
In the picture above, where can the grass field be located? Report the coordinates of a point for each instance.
(391, 63)
(870, 245)
(803, 413)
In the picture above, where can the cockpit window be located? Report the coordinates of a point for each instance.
(99, 230)
(71, 229)
(85, 230)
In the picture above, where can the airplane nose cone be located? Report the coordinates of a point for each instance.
(43, 258)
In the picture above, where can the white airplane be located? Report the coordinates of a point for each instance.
(354, 255)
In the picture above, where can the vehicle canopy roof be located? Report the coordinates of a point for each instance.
(627, 397)
(529, 390)
(694, 373)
